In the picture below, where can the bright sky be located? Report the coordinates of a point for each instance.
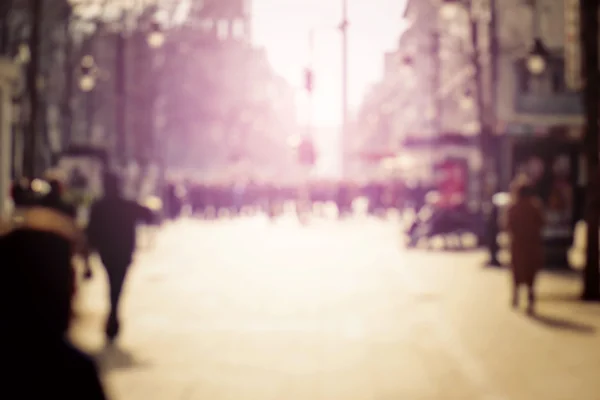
(283, 27)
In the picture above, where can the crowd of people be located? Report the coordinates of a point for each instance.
(209, 200)
(44, 236)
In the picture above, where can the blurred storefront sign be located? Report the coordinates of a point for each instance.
(450, 151)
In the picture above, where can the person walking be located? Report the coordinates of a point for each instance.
(525, 220)
(112, 233)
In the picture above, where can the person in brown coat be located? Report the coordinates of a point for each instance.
(525, 221)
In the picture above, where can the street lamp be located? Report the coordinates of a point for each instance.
(449, 9)
(87, 81)
(156, 37)
(537, 59)
(467, 102)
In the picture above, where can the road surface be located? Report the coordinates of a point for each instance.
(247, 309)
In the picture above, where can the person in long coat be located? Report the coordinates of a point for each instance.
(525, 221)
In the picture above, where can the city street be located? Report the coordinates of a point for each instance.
(250, 309)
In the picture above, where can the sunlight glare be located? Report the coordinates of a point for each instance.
(283, 28)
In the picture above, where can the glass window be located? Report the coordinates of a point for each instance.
(238, 28)
(222, 29)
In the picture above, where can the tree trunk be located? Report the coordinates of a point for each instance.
(67, 116)
(121, 102)
(32, 86)
(485, 134)
(591, 100)
(5, 11)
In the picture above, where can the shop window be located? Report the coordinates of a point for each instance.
(223, 29)
(238, 28)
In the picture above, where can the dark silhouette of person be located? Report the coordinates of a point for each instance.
(525, 221)
(36, 313)
(21, 193)
(112, 233)
(55, 199)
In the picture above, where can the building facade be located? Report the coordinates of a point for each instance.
(441, 79)
(529, 103)
(224, 19)
(225, 101)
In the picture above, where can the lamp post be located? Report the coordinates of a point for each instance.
(309, 80)
(22, 58)
(30, 153)
(156, 37)
(486, 109)
(537, 58)
(436, 83)
(344, 30)
(156, 40)
(87, 83)
(121, 141)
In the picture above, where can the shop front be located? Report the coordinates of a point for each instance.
(450, 180)
(552, 164)
(543, 141)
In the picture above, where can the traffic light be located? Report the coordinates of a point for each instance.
(307, 153)
(308, 80)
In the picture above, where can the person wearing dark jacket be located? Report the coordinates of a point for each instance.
(112, 233)
(36, 311)
(21, 193)
(54, 199)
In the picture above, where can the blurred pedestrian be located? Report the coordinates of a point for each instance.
(21, 193)
(112, 233)
(40, 361)
(55, 199)
(525, 220)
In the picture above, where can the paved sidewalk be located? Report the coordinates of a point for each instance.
(252, 310)
(553, 356)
